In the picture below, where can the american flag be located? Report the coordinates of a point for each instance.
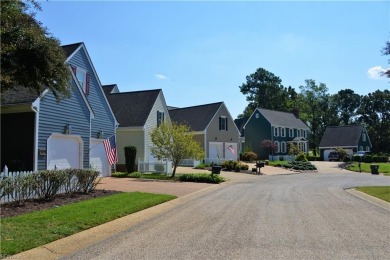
(110, 147)
(231, 149)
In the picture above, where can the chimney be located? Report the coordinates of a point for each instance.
(295, 111)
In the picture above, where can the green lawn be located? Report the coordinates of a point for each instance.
(383, 167)
(273, 163)
(194, 177)
(381, 192)
(34, 229)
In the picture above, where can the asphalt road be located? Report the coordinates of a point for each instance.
(300, 216)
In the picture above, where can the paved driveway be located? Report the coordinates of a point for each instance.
(299, 216)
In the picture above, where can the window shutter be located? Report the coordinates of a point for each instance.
(220, 123)
(74, 69)
(87, 84)
(226, 125)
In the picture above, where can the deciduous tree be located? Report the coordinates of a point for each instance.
(30, 56)
(174, 142)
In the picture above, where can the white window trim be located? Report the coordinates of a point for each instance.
(291, 132)
(276, 131)
(278, 146)
(84, 82)
(284, 147)
(223, 118)
(283, 132)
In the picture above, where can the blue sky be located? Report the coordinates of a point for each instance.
(200, 52)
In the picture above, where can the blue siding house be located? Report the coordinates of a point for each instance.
(40, 133)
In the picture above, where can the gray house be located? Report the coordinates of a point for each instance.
(213, 127)
(351, 138)
(40, 133)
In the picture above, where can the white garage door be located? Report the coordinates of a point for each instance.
(327, 152)
(98, 158)
(64, 151)
(231, 151)
(215, 150)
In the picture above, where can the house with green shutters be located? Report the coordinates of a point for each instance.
(282, 128)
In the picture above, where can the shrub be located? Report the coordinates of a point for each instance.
(266, 162)
(368, 158)
(237, 169)
(312, 158)
(281, 158)
(244, 167)
(203, 177)
(130, 155)
(254, 170)
(120, 174)
(229, 165)
(301, 157)
(249, 156)
(6, 186)
(48, 182)
(136, 175)
(86, 180)
(346, 158)
(356, 158)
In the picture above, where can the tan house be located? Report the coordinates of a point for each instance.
(213, 127)
(138, 113)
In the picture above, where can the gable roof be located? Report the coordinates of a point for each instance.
(133, 108)
(71, 48)
(108, 88)
(196, 117)
(240, 123)
(283, 119)
(336, 136)
(19, 95)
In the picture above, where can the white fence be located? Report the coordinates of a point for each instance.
(189, 163)
(158, 167)
(13, 176)
(289, 158)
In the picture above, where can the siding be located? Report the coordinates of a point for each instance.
(129, 138)
(257, 130)
(151, 122)
(212, 131)
(103, 119)
(53, 116)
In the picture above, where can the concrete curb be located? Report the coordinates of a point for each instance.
(369, 198)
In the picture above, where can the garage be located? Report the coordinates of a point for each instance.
(231, 151)
(98, 158)
(64, 151)
(215, 150)
(327, 152)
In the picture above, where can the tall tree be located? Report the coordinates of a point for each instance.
(264, 89)
(374, 112)
(347, 102)
(30, 56)
(174, 142)
(314, 105)
(386, 51)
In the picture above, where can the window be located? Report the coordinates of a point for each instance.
(160, 118)
(283, 130)
(364, 137)
(367, 148)
(83, 78)
(361, 148)
(283, 147)
(223, 123)
(257, 115)
(277, 146)
(304, 133)
(276, 131)
(291, 132)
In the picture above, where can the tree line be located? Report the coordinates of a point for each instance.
(319, 109)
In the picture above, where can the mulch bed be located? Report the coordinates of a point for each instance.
(13, 209)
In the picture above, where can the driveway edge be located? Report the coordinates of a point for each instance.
(369, 198)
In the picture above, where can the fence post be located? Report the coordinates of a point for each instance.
(5, 171)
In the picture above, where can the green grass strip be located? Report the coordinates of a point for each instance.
(383, 167)
(34, 229)
(381, 192)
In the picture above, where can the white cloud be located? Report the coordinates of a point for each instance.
(161, 77)
(376, 72)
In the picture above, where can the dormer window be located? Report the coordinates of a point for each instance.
(83, 78)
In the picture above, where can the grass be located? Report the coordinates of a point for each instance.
(34, 229)
(381, 192)
(273, 163)
(383, 167)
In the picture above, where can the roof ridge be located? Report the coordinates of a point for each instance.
(76, 43)
(138, 91)
(275, 110)
(198, 106)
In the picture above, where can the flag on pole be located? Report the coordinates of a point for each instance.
(110, 147)
(231, 149)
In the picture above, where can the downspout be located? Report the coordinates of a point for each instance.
(35, 109)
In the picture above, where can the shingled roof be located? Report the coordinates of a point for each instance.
(341, 136)
(240, 122)
(108, 89)
(284, 119)
(196, 117)
(132, 108)
(70, 48)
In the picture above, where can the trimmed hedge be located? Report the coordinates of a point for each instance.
(201, 177)
(300, 166)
